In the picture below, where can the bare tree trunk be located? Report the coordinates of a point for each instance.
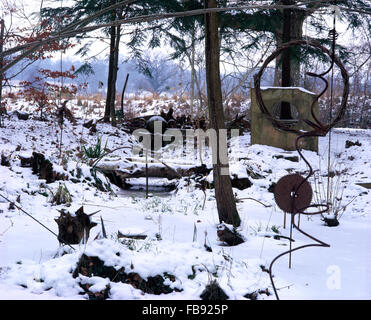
(365, 110)
(225, 200)
(114, 76)
(296, 32)
(286, 61)
(107, 111)
(193, 72)
(201, 100)
(2, 27)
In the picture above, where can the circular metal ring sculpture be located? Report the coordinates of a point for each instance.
(319, 129)
(293, 193)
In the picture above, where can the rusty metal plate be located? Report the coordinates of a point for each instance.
(284, 192)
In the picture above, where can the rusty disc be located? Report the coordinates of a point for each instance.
(284, 192)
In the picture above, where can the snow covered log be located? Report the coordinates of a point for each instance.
(119, 176)
(154, 171)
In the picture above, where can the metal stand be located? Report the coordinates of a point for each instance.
(293, 193)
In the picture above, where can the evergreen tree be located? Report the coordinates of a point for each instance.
(258, 25)
(270, 23)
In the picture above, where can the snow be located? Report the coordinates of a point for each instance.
(289, 88)
(32, 265)
(156, 118)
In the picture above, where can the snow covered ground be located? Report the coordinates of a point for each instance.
(32, 266)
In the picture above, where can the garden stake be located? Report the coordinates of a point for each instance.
(146, 174)
(284, 220)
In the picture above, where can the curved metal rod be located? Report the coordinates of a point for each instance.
(321, 127)
(318, 130)
(317, 127)
(318, 244)
(296, 210)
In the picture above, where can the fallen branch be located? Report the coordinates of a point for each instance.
(131, 236)
(265, 205)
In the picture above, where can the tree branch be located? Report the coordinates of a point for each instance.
(67, 32)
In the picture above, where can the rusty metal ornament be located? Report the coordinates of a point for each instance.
(287, 195)
(293, 193)
(318, 128)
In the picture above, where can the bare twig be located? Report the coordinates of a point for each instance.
(265, 205)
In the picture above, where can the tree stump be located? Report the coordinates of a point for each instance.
(42, 167)
(331, 222)
(5, 160)
(73, 229)
(213, 292)
(230, 237)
